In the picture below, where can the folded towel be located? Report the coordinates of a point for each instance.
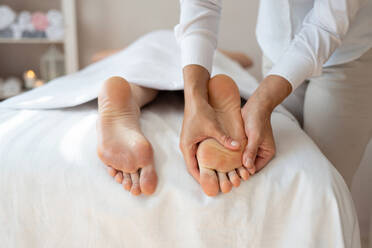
(54, 33)
(39, 21)
(10, 87)
(7, 16)
(24, 20)
(55, 18)
(17, 30)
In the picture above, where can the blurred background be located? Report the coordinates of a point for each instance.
(95, 25)
(103, 25)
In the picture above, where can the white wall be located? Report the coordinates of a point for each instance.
(116, 23)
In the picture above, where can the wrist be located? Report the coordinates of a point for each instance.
(195, 92)
(195, 79)
(271, 92)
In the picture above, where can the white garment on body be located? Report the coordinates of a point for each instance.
(336, 109)
(299, 36)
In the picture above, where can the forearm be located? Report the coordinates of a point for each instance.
(197, 35)
(195, 79)
(270, 93)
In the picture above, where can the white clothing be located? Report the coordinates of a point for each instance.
(337, 111)
(299, 36)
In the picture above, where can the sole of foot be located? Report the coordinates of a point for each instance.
(122, 147)
(221, 168)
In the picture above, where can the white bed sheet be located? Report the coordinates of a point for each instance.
(56, 192)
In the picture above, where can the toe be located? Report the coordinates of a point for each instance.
(119, 177)
(135, 190)
(225, 183)
(209, 181)
(127, 181)
(111, 171)
(148, 180)
(243, 173)
(234, 178)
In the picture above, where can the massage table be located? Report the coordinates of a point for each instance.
(55, 192)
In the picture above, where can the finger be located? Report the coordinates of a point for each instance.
(250, 154)
(191, 162)
(224, 139)
(263, 158)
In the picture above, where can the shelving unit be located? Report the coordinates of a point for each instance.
(70, 37)
(30, 41)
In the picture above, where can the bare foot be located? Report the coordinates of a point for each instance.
(239, 57)
(225, 99)
(121, 144)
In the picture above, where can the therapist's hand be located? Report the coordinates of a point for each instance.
(200, 120)
(256, 114)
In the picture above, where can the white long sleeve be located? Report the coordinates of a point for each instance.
(197, 31)
(322, 31)
(299, 36)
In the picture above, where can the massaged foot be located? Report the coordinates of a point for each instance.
(220, 168)
(121, 144)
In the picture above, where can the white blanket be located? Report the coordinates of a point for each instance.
(56, 192)
(152, 61)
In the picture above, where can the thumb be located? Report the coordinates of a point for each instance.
(225, 139)
(250, 154)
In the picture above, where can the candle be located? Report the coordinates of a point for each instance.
(29, 78)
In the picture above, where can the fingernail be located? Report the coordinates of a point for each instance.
(244, 159)
(249, 163)
(234, 143)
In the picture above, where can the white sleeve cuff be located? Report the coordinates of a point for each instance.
(198, 51)
(294, 67)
